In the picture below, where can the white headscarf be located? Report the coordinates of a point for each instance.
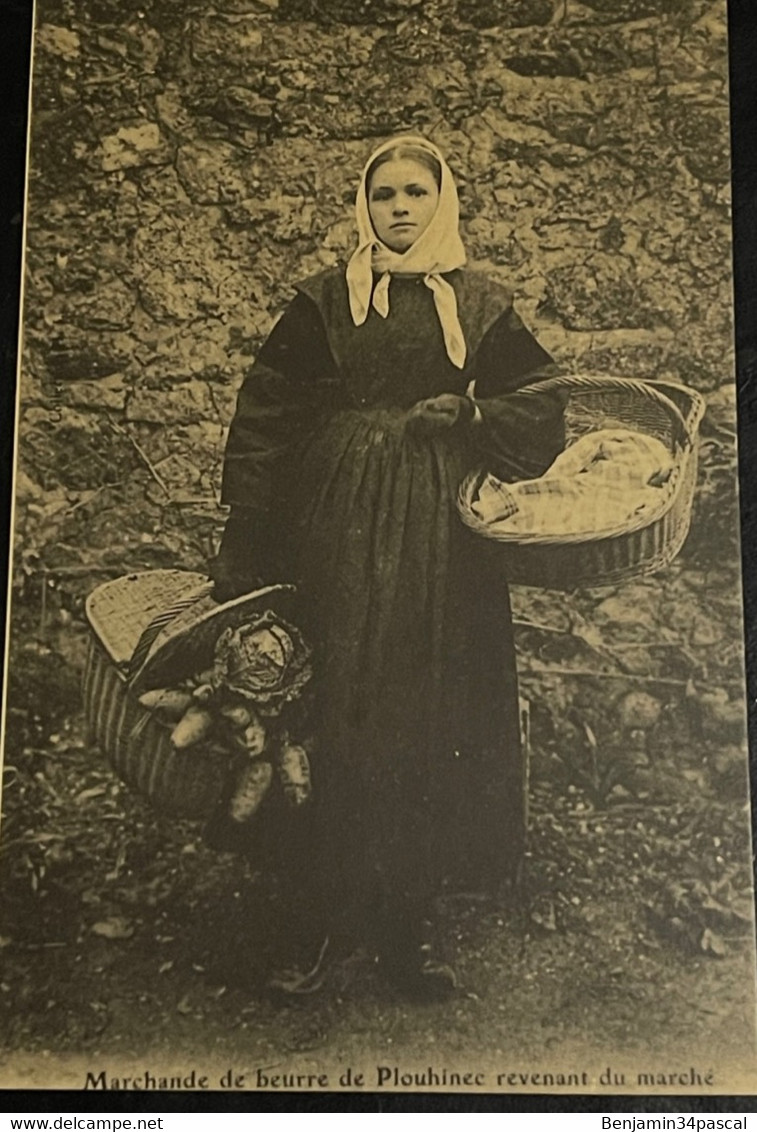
(437, 250)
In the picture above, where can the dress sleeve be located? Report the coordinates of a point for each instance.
(287, 393)
(292, 387)
(518, 435)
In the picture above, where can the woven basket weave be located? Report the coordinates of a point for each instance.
(166, 619)
(669, 412)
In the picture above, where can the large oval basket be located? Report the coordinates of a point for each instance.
(669, 412)
(147, 629)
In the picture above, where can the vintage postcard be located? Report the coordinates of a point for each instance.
(375, 714)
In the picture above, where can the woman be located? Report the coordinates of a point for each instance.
(377, 391)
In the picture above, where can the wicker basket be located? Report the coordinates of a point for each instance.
(147, 629)
(669, 412)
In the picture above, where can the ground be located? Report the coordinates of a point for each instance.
(125, 937)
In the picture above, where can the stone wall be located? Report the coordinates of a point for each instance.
(189, 161)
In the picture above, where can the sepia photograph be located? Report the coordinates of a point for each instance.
(375, 715)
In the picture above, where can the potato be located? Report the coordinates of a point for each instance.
(294, 772)
(252, 787)
(171, 703)
(237, 715)
(255, 737)
(193, 726)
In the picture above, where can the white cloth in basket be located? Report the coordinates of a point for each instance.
(603, 480)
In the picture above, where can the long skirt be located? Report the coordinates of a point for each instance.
(417, 769)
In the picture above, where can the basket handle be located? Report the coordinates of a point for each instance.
(601, 381)
(151, 631)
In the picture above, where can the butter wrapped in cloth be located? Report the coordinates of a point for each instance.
(606, 478)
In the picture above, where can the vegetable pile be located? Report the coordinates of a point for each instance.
(249, 703)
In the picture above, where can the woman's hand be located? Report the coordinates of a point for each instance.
(230, 582)
(439, 413)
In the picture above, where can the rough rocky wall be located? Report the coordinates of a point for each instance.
(190, 160)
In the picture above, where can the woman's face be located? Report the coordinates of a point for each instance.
(402, 198)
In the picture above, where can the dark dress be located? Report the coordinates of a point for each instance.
(418, 769)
